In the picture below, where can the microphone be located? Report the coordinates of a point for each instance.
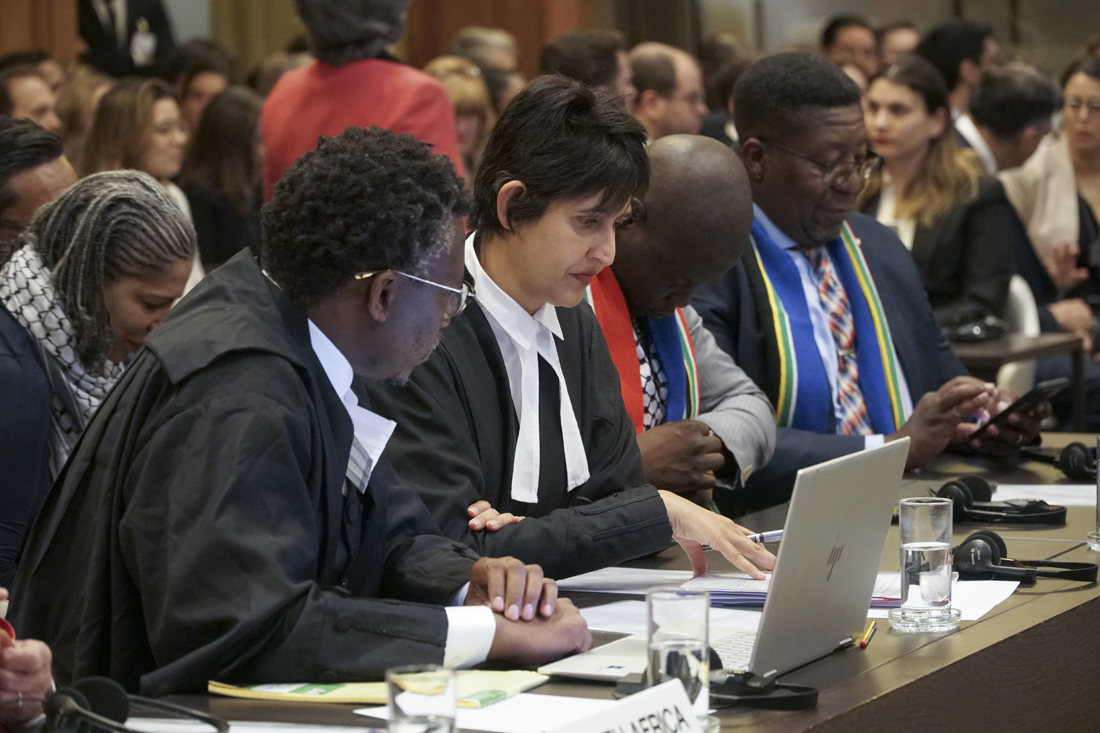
(99, 704)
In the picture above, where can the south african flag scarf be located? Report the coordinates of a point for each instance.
(800, 387)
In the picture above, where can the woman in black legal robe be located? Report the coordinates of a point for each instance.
(518, 412)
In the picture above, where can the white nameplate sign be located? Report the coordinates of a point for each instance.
(661, 709)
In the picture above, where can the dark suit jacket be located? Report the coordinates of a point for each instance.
(966, 257)
(729, 309)
(201, 529)
(455, 443)
(24, 437)
(106, 54)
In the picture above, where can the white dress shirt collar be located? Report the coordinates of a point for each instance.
(371, 431)
(522, 338)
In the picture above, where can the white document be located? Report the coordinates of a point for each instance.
(632, 581)
(975, 598)
(1060, 494)
(524, 713)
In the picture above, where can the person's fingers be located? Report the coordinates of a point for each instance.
(532, 592)
(549, 599)
(501, 520)
(478, 507)
(695, 553)
(494, 585)
(515, 587)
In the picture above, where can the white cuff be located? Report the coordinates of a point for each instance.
(470, 632)
(873, 441)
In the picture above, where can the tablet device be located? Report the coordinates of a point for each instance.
(1042, 392)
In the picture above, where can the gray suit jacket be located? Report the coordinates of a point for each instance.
(730, 402)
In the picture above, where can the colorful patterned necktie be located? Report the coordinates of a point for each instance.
(838, 311)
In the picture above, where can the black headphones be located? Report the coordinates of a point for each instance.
(100, 704)
(970, 496)
(980, 555)
(1077, 461)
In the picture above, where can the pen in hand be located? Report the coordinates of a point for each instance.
(764, 537)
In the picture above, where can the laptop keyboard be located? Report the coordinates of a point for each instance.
(734, 648)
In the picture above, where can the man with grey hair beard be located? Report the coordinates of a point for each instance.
(353, 82)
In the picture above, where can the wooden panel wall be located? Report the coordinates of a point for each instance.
(47, 25)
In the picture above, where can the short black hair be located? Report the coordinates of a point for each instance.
(7, 76)
(564, 141)
(1089, 66)
(1011, 98)
(773, 94)
(367, 199)
(949, 44)
(197, 56)
(837, 23)
(590, 56)
(23, 58)
(23, 145)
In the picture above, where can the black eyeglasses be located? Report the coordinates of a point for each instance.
(837, 170)
(458, 298)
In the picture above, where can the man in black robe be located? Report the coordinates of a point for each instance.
(211, 524)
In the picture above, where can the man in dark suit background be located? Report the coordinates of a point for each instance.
(125, 37)
(805, 148)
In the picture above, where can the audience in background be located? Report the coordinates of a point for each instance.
(475, 113)
(33, 172)
(895, 40)
(137, 125)
(1057, 191)
(222, 176)
(670, 90)
(493, 48)
(198, 71)
(25, 95)
(76, 105)
(593, 57)
(951, 215)
(503, 86)
(961, 50)
(96, 270)
(48, 68)
(125, 37)
(1012, 109)
(349, 40)
(268, 72)
(850, 39)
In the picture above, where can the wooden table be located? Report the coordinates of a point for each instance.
(1030, 664)
(984, 358)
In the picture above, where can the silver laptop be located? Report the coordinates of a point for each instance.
(824, 574)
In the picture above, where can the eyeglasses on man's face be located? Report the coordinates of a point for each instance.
(456, 302)
(837, 170)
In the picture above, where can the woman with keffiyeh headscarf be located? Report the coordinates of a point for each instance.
(94, 272)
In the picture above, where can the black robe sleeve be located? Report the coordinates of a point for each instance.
(455, 441)
(201, 533)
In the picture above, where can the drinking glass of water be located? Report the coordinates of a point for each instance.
(925, 527)
(676, 624)
(421, 699)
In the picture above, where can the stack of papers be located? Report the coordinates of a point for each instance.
(476, 689)
(733, 590)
